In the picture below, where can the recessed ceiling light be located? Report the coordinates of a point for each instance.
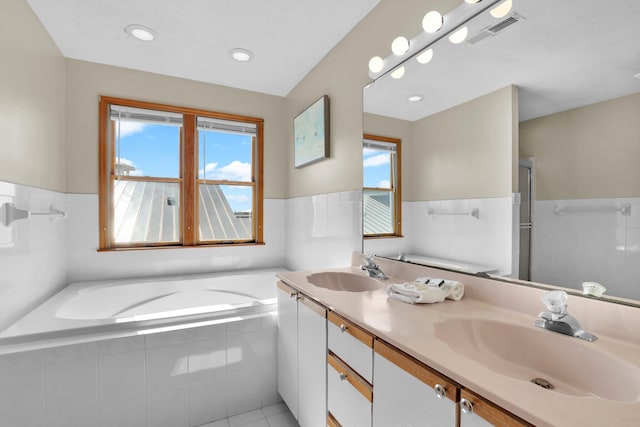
(502, 10)
(140, 32)
(241, 55)
(415, 98)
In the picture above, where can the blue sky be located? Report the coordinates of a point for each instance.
(154, 150)
(376, 164)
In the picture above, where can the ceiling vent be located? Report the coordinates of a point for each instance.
(495, 29)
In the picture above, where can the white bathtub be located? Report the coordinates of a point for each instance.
(124, 307)
(186, 350)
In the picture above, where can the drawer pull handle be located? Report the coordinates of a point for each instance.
(466, 406)
(343, 376)
(343, 328)
(440, 391)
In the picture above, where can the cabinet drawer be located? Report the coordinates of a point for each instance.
(352, 344)
(478, 412)
(349, 395)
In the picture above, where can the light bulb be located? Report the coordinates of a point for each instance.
(425, 56)
(502, 10)
(398, 73)
(375, 64)
(432, 21)
(400, 46)
(459, 36)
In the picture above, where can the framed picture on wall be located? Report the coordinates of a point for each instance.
(311, 134)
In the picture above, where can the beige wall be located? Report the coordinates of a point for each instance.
(467, 151)
(586, 153)
(395, 128)
(342, 74)
(32, 99)
(87, 81)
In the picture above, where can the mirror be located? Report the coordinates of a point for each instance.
(521, 159)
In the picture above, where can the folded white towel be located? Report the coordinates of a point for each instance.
(426, 291)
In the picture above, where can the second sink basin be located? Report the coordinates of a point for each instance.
(342, 281)
(571, 366)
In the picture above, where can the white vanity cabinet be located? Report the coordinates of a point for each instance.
(349, 373)
(408, 393)
(478, 412)
(302, 349)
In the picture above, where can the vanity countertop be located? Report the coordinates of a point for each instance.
(415, 329)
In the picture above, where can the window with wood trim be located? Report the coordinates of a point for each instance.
(174, 176)
(381, 195)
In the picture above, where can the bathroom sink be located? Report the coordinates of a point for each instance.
(342, 281)
(557, 362)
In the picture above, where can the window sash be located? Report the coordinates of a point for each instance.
(188, 180)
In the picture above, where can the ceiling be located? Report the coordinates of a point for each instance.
(562, 55)
(287, 37)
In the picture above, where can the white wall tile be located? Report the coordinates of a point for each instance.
(208, 401)
(22, 389)
(39, 247)
(71, 386)
(570, 248)
(121, 385)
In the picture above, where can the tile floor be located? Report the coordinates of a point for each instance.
(277, 415)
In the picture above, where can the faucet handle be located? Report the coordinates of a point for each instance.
(556, 302)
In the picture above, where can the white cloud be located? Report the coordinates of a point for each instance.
(129, 128)
(234, 171)
(130, 163)
(238, 198)
(369, 151)
(385, 183)
(378, 160)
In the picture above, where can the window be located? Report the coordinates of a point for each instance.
(173, 176)
(381, 194)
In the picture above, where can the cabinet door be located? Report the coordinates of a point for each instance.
(288, 347)
(312, 363)
(408, 393)
(478, 412)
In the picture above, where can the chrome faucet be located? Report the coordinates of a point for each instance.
(372, 268)
(557, 318)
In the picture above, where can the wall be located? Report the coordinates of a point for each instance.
(32, 119)
(586, 158)
(586, 153)
(467, 151)
(459, 159)
(32, 89)
(87, 81)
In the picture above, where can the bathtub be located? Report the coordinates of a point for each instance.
(171, 351)
(114, 308)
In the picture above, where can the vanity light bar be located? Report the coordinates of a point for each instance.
(453, 21)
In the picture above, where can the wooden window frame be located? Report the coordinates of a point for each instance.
(396, 187)
(188, 179)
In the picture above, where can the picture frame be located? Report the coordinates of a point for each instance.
(311, 133)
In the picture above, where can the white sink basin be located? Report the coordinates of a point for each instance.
(574, 367)
(342, 281)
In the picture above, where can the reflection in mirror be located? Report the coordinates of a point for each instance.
(533, 126)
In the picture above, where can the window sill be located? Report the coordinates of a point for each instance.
(151, 248)
(390, 236)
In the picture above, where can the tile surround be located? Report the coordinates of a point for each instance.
(178, 378)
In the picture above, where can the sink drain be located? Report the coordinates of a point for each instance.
(543, 383)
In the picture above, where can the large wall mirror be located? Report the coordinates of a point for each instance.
(521, 147)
